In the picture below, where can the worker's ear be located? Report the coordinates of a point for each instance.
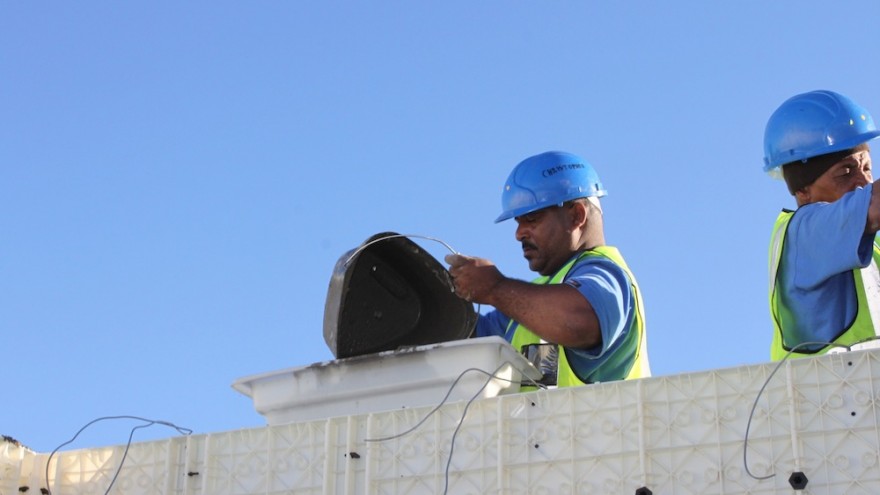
(578, 214)
(803, 196)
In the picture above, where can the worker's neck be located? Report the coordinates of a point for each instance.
(590, 240)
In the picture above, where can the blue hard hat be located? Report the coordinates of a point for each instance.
(813, 124)
(548, 179)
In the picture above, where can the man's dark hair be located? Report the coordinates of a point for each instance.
(800, 174)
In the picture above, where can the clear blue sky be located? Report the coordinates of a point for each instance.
(177, 180)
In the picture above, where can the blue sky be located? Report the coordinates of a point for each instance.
(177, 180)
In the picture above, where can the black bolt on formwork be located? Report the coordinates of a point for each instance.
(644, 491)
(798, 480)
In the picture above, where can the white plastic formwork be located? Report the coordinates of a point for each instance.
(149, 467)
(406, 378)
(12, 454)
(814, 431)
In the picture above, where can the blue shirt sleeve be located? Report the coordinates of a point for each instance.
(492, 323)
(825, 239)
(608, 290)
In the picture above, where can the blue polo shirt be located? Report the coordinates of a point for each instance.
(823, 244)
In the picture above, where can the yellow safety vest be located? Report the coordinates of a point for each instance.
(565, 375)
(862, 326)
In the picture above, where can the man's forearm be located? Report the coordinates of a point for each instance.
(557, 313)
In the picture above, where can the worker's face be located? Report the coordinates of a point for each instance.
(546, 238)
(844, 176)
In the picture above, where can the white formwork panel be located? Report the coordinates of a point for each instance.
(800, 428)
(681, 434)
(834, 399)
(10, 466)
(344, 470)
(408, 450)
(694, 431)
(271, 460)
(561, 441)
(404, 456)
(12, 458)
(191, 466)
(147, 467)
(817, 418)
(473, 453)
(32, 474)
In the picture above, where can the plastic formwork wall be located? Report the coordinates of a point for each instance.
(814, 430)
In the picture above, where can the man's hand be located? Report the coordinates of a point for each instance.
(557, 312)
(474, 278)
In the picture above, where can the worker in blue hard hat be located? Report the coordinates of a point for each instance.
(586, 306)
(824, 282)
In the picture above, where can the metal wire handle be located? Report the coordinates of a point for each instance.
(364, 246)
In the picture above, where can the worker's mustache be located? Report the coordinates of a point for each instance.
(528, 245)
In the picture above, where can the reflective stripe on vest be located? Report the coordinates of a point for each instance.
(565, 375)
(867, 285)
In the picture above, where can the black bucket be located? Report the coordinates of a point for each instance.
(389, 294)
